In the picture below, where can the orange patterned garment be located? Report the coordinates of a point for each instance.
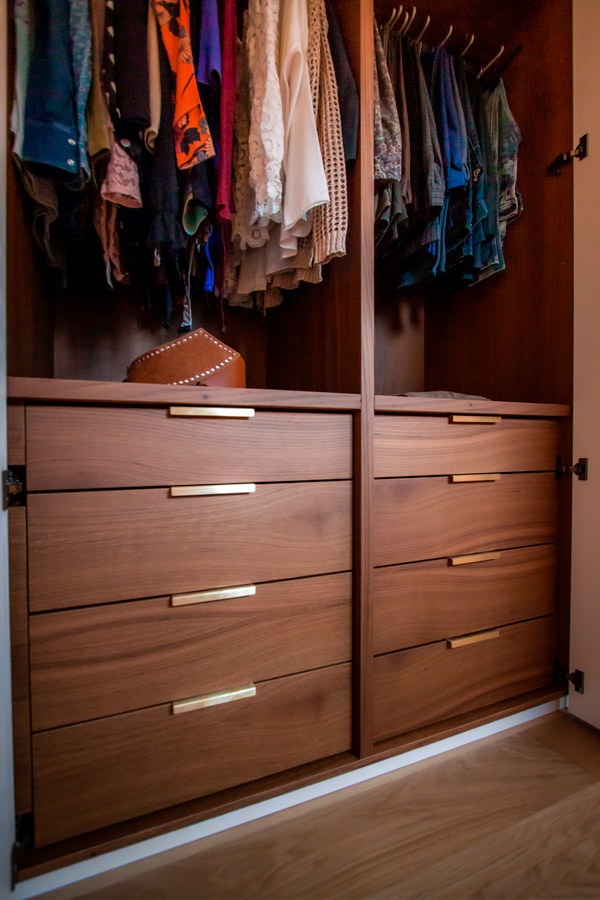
(193, 141)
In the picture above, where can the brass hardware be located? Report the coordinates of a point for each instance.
(472, 558)
(203, 701)
(476, 420)
(467, 639)
(212, 412)
(464, 479)
(207, 490)
(243, 590)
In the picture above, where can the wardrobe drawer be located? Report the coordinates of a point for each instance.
(435, 445)
(417, 687)
(91, 775)
(418, 603)
(102, 546)
(423, 518)
(89, 447)
(98, 661)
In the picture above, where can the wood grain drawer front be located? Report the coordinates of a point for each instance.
(81, 447)
(91, 775)
(417, 687)
(100, 546)
(418, 603)
(426, 518)
(436, 445)
(88, 663)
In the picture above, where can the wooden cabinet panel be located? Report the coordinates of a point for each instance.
(91, 775)
(417, 603)
(87, 447)
(428, 684)
(129, 655)
(423, 518)
(436, 445)
(101, 546)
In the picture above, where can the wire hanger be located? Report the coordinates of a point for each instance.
(491, 62)
(410, 17)
(419, 37)
(468, 45)
(394, 16)
(447, 38)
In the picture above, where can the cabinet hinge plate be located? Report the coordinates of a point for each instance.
(577, 679)
(13, 487)
(580, 468)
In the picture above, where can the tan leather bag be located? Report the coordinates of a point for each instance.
(194, 358)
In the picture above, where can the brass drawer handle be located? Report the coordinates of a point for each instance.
(211, 490)
(476, 420)
(472, 558)
(203, 701)
(467, 479)
(212, 412)
(242, 590)
(467, 639)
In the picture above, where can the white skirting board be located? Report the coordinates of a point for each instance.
(86, 869)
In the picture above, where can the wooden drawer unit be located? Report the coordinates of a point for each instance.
(94, 774)
(416, 687)
(85, 447)
(125, 656)
(407, 445)
(88, 547)
(426, 518)
(417, 603)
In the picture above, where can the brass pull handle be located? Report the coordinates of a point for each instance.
(212, 412)
(211, 490)
(475, 420)
(203, 701)
(482, 476)
(242, 590)
(472, 558)
(467, 639)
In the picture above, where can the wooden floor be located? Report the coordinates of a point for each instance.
(514, 815)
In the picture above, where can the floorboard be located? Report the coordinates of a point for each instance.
(514, 815)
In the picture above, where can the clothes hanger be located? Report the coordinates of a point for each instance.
(393, 17)
(467, 46)
(447, 38)
(408, 22)
(491, 62)
(419, 37)
(399, 29)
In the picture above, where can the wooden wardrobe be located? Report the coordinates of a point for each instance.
(218, 595)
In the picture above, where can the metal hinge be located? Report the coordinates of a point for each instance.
(577, 678)
(581, 151)
(13, 487)
(580, 468)
(23, 840)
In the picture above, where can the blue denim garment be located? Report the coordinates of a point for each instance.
(419, 257)
(55, 133)
(449, 117)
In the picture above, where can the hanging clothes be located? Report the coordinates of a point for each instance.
(193, 141)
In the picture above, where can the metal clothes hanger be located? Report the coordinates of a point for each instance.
(419, 37)
(467, 46)
(491, 62)
(447, 38)
(410, 17)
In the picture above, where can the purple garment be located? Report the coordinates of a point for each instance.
(208, 66)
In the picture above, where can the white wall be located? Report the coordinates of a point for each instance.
(585, 620)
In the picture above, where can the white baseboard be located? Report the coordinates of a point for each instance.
(108, 861)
